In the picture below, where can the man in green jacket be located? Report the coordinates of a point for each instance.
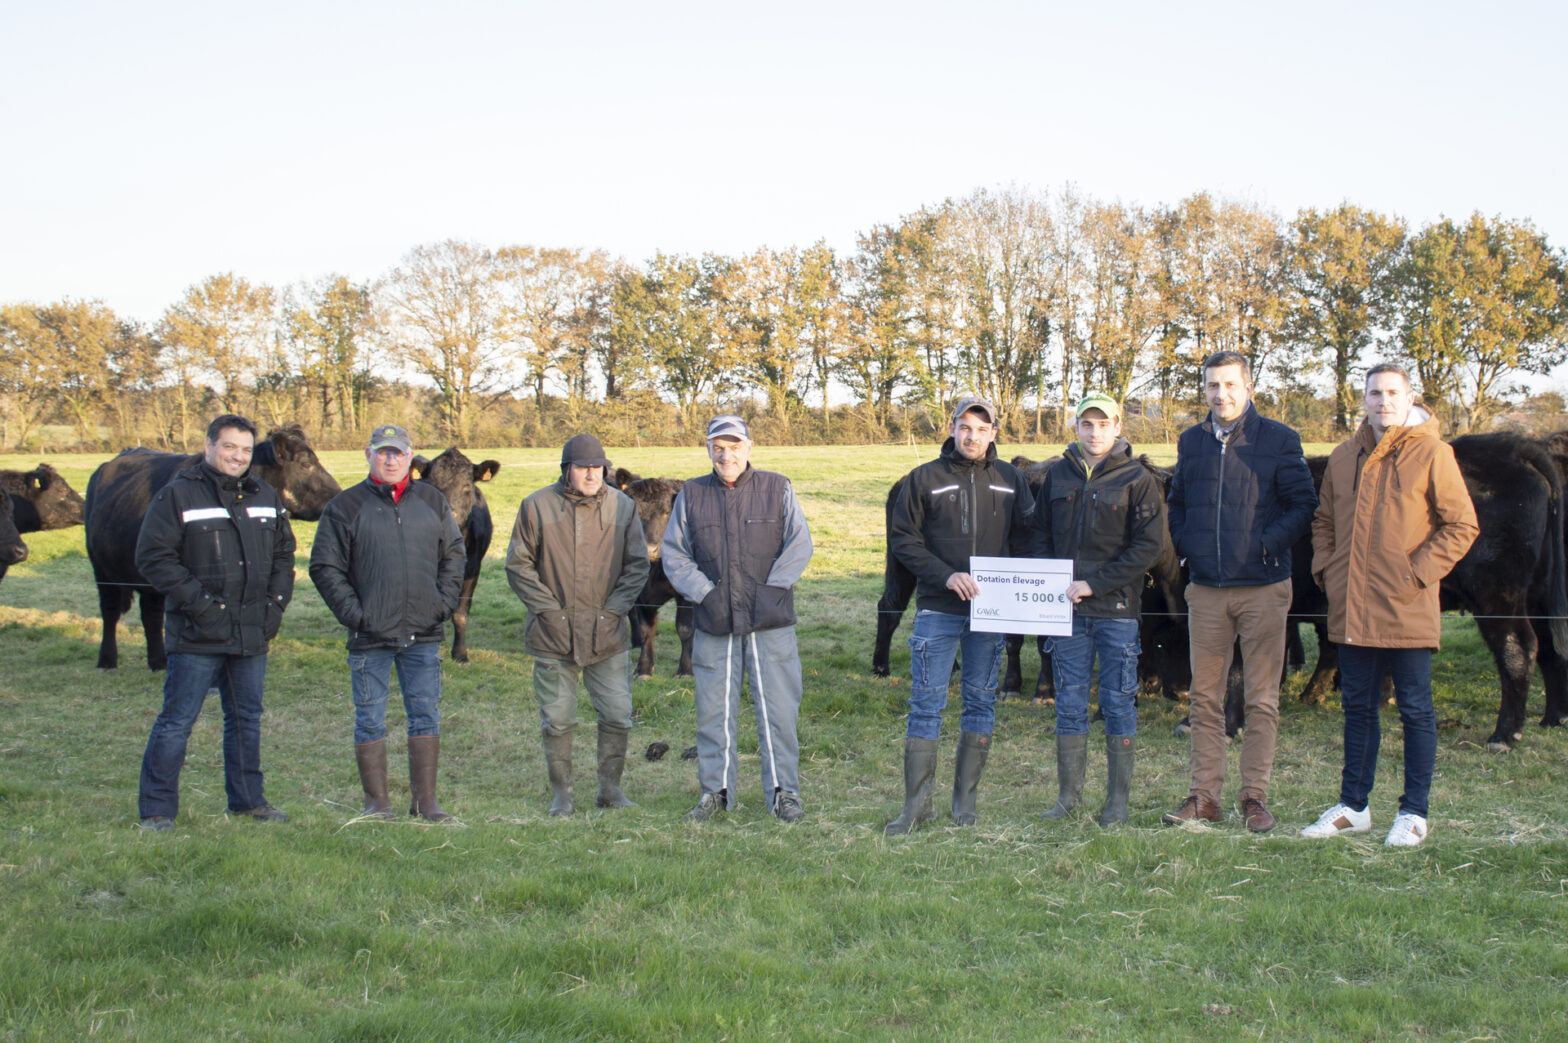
(578, 559)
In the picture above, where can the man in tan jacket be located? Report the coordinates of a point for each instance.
(1393, 518)
(578, 559)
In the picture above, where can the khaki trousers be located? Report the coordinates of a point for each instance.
(1217, 617)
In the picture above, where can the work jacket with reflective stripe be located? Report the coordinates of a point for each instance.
(221, 552)
(952, 509)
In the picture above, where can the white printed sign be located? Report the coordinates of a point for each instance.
(1022, 595)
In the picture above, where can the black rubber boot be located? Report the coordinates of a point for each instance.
(972, 750)
(1119, 753)
(372, 758)
(1072, 762)
(558, 762)
(919, 776)
(612, 761)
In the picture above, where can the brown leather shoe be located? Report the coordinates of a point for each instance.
(1259, 820)
(1193, 807)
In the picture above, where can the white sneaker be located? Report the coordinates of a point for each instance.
(1409, 830)
(1340, 818)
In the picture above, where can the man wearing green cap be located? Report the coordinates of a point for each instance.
(1103, 509)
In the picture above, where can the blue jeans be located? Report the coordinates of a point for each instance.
(1361, 680)
(418, 675)
(1115, 642)
(239, 682)
(938, 638)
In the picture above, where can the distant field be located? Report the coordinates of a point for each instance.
(632, 925)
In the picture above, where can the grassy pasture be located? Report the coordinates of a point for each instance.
(633, 925)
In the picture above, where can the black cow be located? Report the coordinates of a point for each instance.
(458, 479)
(12, 550)
(119, 493)
(1514, 578)
(41, 499)
(654, 498)
(1514, 570)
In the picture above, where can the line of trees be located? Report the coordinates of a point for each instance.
(1027, 297)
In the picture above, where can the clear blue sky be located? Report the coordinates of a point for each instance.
(149, 145)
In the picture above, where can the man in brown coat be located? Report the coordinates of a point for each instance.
(1393, 518)
(578, 559)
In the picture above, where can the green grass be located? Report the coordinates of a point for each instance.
(633, 925)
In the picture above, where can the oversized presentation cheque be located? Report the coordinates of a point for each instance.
(1022, 595)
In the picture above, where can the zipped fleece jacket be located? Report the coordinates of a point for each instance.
(736, 552)
(1111, 523)
(578, 562)
(221, 552)
(952, 509)
(1394, 519)
(1237, 508)
(390, 572)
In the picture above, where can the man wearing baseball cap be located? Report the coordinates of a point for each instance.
(965, 503)
(388, 560)
(735, 546)
(578, 559)
(1103, 509)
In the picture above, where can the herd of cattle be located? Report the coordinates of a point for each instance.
(1514, 579)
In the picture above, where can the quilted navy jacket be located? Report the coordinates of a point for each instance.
(1236, 508)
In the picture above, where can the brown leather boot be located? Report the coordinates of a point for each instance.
(612, 761)
(424, 754)
(1193, 807)
(372, 757)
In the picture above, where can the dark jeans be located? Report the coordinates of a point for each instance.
(1361, 679)
(933, 646)
(1114, 642)
(239, 683)
(419, 677)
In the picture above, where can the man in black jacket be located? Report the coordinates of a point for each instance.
(1103, 509)
(388, 561)
(1240, 499)
(216, 543)
(965, 503)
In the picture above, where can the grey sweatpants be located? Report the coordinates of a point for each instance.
(772, 661)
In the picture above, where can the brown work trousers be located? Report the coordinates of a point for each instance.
(1217, 617)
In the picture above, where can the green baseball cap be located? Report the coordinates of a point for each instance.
(1101, 401)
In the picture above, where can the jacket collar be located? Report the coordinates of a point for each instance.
(1419, 424)
(1119, 456)
(951, 454)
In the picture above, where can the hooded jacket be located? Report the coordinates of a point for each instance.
(952, 509)
(1238, 506)
(221, 551)
(578, 562)
(1110, 522)
(1393, 519)
(390, 572)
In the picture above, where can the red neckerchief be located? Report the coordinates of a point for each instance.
(397, 490)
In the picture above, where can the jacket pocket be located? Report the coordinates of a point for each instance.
(549, 633)
(609, 634)
(775, 607)
(210, 624)
(273, 618)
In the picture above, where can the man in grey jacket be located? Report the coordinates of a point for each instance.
(578, 559)
(735, 546)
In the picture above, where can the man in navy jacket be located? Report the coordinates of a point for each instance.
(1240, 498)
